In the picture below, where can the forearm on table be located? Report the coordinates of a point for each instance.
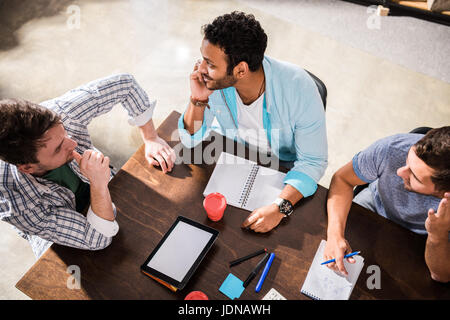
(101, 203)
(148, 131)
(291, 194)
(193, 118)
(339, 201)
(437, 257)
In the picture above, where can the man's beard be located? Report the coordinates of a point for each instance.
(407, 186)
(225, 82)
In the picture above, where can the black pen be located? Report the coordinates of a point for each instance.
(251, 255)
(255, 271)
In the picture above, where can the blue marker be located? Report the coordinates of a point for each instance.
(346, 256)
(264, 274)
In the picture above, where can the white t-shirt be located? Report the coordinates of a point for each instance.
(250, 123)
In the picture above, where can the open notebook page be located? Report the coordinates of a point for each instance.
(325, 284)
(228, 177)
(266, 188)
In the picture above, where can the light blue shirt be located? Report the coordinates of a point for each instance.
(293, 119)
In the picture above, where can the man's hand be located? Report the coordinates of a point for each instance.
(437, 249)
(94, 166)
(159, 153)
(199, 91)
(263, 219)
(438, 224)
(337, 248)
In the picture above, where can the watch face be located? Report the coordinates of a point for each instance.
(286, 207)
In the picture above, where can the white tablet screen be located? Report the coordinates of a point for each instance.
(180, 250)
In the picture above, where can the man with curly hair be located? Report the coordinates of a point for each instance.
(265, 103)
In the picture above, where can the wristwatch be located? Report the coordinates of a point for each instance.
(285, 206)
(200, 103)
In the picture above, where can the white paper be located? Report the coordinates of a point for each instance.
(325, 284)
(230, 176)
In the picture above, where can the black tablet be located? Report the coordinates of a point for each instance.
(179, 253)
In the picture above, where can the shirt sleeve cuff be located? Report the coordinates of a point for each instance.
(302, 182)
(144, 117)
(357, 171)
(105, 227)
(186, 138)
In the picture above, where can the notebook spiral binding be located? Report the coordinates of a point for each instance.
(248, 185)
(306, 293)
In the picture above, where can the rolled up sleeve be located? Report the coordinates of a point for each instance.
(56, 224)
(190, 141)
(105, 227)
(99, 97)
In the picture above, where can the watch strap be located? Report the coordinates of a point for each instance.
(278, 201)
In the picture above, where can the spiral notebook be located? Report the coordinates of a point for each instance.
(244, 183)
(322, 283)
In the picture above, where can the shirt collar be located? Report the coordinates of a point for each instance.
(268, 90)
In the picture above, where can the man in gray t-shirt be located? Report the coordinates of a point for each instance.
(409, 183)
(378, 165)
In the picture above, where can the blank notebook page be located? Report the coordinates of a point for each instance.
(266, 188)
(229, 177)
(244, 183)
(322, 283)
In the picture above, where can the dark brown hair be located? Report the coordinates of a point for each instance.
(23, 125)
(434, 150)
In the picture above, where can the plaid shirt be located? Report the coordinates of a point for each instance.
(43, 211)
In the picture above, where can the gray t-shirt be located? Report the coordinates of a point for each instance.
(378, 166)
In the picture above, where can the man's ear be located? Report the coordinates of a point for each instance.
(241, 70)
(27, 168)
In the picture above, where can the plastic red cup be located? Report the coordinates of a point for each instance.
(215, 205)
(196, 295)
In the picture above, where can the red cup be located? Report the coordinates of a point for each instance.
(196, 295)
(215, 205)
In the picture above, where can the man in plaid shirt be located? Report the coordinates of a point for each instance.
(50, 172)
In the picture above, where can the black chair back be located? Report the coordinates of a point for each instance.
(421, 130)
(322, 88)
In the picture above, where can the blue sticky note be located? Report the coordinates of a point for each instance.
(232, 287)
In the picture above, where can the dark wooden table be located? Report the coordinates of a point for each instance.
(148, 202)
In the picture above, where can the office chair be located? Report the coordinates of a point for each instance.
(322, 88)
(421, 130)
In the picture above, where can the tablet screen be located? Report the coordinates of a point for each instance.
(180, 250)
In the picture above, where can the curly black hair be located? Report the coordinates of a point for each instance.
(240, 36)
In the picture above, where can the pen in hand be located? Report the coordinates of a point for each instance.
(346, 256)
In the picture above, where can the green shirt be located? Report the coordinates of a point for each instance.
(65, 177)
